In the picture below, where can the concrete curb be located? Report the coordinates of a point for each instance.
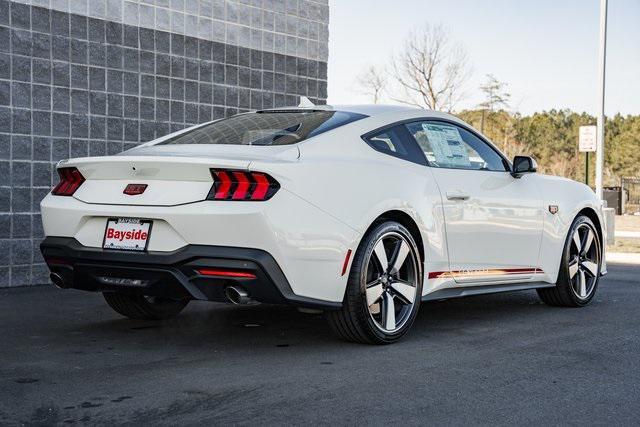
(627, 234)
(623, 258)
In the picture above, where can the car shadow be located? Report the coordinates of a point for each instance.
(215, 325)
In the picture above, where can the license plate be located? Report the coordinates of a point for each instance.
(129, 234)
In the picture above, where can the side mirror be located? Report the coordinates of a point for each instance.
(522, 165)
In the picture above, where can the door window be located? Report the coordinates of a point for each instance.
(446, 145)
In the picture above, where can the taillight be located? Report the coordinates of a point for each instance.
(241, 185)
(70, 180)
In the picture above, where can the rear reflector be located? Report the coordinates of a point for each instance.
(242, 185)
(70, 180)
(226, 273)
(346, 262)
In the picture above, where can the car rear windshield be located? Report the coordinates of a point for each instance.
(267, 128)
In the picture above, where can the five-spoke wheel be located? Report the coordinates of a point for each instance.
(391, 282)
(580, 268)
(584, 260)
(384, 287)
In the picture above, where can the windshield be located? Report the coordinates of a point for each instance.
(267, 128)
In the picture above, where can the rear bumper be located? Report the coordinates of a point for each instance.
(308, 245)
(172, 274)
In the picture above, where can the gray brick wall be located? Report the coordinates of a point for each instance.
(81, 78)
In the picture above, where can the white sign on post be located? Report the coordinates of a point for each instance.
(587, 139)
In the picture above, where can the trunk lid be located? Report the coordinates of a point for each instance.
(174, 175)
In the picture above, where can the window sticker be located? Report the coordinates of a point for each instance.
(448, 147)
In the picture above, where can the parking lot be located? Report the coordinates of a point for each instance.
(504, 359)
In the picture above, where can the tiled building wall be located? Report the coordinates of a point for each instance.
(95, 77)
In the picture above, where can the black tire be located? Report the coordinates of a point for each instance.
(564, 294)
(354, 321)
(141, 307)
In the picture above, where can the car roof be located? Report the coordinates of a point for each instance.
(375, 111)
(370, 110)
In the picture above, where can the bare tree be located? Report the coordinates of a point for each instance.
(495, 93)
(495, 97)
(372, 82)
(431, 69)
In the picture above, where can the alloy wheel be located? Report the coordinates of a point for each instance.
(391, 282)
(584, 261)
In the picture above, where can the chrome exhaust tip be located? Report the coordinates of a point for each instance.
(58, 281)
(237, 295)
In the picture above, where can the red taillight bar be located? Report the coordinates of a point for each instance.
(226, 273)
(70, 180)
(221, 186)
(262, 186)
(242, 185)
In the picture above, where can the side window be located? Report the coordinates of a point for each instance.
(449, 146)
(396, 142)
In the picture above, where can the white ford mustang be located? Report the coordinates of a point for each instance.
(363, 212)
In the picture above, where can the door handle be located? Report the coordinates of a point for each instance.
(457, 195)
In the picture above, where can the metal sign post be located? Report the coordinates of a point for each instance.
(587, 142)
(601, 66)
(586, 168)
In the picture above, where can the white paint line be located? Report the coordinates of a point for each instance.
(623, 258)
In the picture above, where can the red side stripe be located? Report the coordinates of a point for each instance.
(437, 274)
(487, 272)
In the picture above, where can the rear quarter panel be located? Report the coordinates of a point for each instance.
(348, 180)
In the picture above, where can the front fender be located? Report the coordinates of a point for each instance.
(571, 198)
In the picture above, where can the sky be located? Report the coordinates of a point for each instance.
(545, 50)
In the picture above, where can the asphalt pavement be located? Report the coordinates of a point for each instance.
(66, 358)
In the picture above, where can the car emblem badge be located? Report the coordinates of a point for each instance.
(553, 209)
(134, 189)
